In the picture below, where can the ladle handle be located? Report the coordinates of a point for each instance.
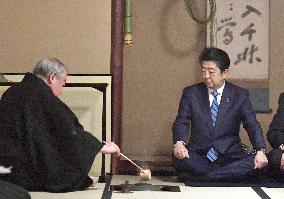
(129, 160)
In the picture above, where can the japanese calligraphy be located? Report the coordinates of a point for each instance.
(242, 30)
(249, 31)
(249, 10)
(243, 56)
(228, 34)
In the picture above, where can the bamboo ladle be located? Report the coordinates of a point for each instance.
(145, 174)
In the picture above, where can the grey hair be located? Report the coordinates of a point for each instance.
(45, 67)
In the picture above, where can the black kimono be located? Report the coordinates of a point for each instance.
(11, 191)
(43, 140)
(275, 137)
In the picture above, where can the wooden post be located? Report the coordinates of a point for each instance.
(116, 63)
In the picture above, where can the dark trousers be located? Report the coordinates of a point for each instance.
(274, 161)
(11, 191)
(224, 167)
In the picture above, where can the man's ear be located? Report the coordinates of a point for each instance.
(225, 73)
(52, 78)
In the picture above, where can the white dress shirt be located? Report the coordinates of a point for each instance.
(220, 91)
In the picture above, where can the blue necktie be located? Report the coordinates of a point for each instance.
(214, 107)
(212, 154)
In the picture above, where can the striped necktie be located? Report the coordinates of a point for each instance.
(212, 153)
(214, 107)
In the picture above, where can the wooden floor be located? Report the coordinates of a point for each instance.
(100, 190)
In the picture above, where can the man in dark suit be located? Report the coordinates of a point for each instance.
(275, 137)
(213, 111)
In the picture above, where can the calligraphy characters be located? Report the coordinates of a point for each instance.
(247, 33)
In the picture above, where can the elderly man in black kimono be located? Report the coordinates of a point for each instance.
(275, 137)
(41, 138)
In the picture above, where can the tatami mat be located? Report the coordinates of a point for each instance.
(156, 180)
(192, 193)
(186, 191)
(219, 192)
(91, 193)
(275, 193)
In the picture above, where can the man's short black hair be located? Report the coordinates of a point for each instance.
(220, 57)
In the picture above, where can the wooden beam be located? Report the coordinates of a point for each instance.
(117, 16)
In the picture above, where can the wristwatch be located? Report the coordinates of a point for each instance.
(262, 149)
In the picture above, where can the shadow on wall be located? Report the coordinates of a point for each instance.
(176, 41)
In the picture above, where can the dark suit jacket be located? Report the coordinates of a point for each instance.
(275, 135)
(235, 108)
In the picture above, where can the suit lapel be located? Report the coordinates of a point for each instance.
(225, 102)
(205, 106)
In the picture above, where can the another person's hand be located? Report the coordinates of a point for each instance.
(260, 160)
(180, 151)
(282, 163)
(110, 148)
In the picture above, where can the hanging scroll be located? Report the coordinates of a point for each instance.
(242, 30)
